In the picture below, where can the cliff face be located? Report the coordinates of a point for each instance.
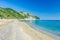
(8, 13)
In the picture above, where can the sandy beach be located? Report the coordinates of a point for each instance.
(36, 35)
(22, 31)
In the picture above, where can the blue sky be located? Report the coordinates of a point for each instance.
(45, 9)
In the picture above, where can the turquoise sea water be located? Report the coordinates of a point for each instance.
(50, 25)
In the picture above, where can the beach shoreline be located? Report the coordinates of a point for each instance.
(27, 29)
(43, 30)
(34, 33)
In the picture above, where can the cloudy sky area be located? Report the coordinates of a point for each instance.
(45, 9)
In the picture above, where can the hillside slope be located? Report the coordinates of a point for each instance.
(8, 13)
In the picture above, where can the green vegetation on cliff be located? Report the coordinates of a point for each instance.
(8, 13)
